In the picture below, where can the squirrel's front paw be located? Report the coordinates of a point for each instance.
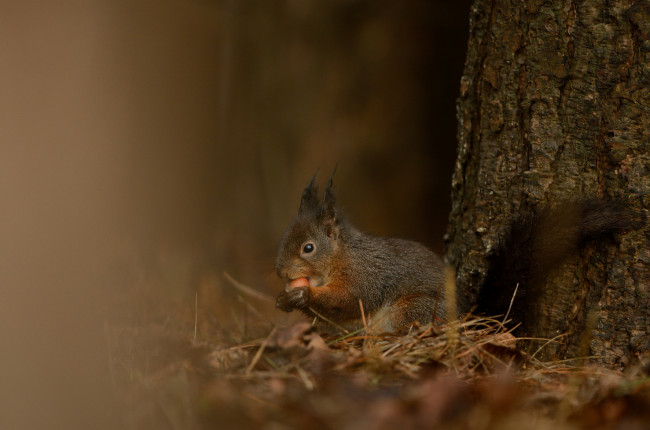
(292, 299)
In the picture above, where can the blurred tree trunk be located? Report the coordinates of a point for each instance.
(554, 104)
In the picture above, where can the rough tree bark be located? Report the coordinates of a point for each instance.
(555, 104)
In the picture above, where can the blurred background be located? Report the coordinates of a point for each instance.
(171, 139)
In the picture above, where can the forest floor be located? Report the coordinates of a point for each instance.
(176, 365)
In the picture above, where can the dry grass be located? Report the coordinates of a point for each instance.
(470, 374)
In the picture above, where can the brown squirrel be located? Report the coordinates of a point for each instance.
(329, 266)
(333, 271)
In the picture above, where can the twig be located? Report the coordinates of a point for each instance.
(452, 315)
(248, 290)
(257, 399)
(344, 337)
(259, 352)
(249, 344)
(546, 343)
(512, 299)
(363, 316)
(304, 377)
(328, 321)
(250, 307)
(391, 349)
(196, 313)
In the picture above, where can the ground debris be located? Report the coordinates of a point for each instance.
(473, 374)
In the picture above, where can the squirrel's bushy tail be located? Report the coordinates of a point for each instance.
(538, 242)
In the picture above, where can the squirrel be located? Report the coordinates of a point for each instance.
(334, 271)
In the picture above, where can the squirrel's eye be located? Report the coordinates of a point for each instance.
(309, 247)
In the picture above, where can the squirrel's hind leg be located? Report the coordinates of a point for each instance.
(400, 315)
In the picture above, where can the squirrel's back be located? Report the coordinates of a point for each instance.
(391, 262)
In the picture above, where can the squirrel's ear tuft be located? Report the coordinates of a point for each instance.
(309, 200)
(329, 213)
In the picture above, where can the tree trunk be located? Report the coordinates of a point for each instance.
(554, 104)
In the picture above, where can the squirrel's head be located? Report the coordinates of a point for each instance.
(312, 239)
